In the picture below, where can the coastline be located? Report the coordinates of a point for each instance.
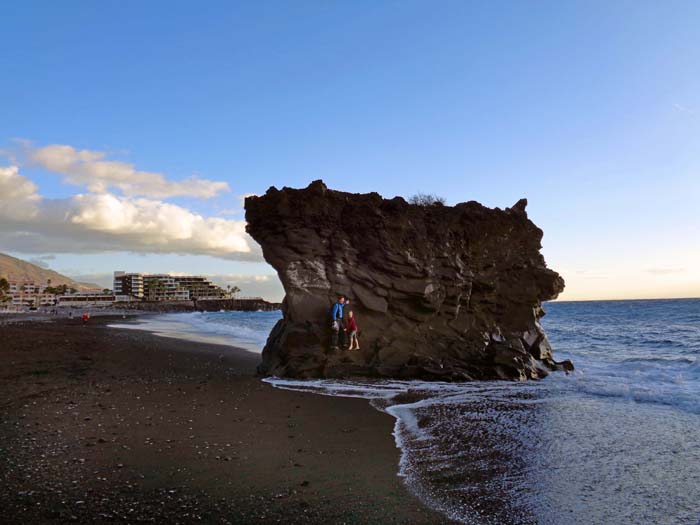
(106, 424)
(63, 315)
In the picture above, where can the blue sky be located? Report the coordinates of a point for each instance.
(589, 109)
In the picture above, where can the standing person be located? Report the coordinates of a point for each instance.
(346, 331)
(337, 325)
(85, 318)
(352, 328)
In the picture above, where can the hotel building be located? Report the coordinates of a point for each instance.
(164, 287)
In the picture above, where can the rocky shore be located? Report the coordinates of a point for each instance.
(440, 292)
(101, 425)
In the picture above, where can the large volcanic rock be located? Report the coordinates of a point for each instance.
(439, 292)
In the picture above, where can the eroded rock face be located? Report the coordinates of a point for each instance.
(439, 292)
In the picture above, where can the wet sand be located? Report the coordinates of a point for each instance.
(106, 425)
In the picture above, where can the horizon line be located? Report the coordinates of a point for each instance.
(619, 299)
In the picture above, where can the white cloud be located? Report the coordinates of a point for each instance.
(107, 222)
(683, 109)
(42, 260)
(18, 195)
(266, 286)
(93, 170)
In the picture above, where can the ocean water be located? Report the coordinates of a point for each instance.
(248, 330)
(616, 442)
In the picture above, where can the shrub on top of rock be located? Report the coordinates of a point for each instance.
(426, 199)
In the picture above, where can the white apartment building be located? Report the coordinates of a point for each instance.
(84, 299)
(165, 287)
(28, 294)
(26, 287)
(33, 300)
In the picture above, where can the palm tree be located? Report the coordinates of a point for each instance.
(156, 288)
(4, 289)
(4, 286)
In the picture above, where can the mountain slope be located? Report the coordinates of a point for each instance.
(14, 269)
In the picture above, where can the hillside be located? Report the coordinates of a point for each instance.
(14, 269)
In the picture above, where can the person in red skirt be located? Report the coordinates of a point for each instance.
(352, 330)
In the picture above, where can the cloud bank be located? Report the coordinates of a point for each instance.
(93, 170)
(105, 222)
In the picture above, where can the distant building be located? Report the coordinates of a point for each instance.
(165, 287)
(25, 287)
(128, 284)
(28, 294)
(83, 299)
(33, 300)
(200, 287)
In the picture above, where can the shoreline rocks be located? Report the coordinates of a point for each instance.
(440, 292)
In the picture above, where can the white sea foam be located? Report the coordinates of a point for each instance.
(486, 453)
(617, 441)
(247, 330)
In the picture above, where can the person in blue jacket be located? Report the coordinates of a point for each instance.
(337, 324)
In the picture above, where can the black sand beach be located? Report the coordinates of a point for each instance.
(107, 425)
